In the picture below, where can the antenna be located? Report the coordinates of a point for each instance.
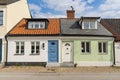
(72, 7)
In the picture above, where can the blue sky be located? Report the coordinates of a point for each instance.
(57, 8)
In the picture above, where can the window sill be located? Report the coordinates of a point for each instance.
(19, 54)
(35, 54)
(85, 53)
(102, 53)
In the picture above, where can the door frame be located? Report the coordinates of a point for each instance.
(72, 56)
(57, 51)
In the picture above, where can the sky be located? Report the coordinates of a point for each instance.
(87, 8)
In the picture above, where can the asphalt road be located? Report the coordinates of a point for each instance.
(59, 76)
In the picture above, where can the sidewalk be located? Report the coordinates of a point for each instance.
(39, 69)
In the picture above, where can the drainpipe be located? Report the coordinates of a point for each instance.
(6, 50)
(114, 54)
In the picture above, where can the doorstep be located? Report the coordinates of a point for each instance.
(67, 64)
(53, 65)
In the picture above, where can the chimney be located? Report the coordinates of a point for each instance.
(71, 13)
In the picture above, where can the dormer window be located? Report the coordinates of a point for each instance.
(36, 25)
(89, 24)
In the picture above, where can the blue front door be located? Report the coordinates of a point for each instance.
(0, 50)
(52, 51)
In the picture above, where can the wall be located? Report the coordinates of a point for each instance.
(94, 58)
(3, 29)
(15, 12)
(117, 53)
(43, 57)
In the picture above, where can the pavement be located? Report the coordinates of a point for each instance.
(59, 76)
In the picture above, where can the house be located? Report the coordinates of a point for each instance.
(60, 42)
(34, 42)
(11, 12)
(85, 42)
(113, 25)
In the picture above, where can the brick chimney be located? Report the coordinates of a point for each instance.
(71, 13)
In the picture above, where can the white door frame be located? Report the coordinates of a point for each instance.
(72, 52)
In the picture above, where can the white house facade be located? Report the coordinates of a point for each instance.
(11, 12)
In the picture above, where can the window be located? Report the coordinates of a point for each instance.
(43, 46)
(20, 48)
(85, 47)
(36, 25)
(1, 18)
(35, 48)
(89, 25)
(102, 47)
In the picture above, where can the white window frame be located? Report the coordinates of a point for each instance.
(20, 50)
(102, 50)
(85, 45)
(35, 49)
(33, 23)
(83, 27)
(4, 16)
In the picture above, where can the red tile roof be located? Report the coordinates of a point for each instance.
(21, 28)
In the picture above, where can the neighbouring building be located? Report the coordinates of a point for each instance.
(34, 42)
(113, 25)
(60, 42)
(11, 12)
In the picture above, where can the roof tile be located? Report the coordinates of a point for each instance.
(21, 28)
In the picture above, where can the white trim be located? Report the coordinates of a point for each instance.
(93, 63)
(64, 38)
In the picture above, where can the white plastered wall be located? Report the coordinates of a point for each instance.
(117, 53)
(43, 57)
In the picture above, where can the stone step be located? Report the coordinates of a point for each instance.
(67, 64)
(53, 65)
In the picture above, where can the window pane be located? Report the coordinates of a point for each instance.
(17, 50)
(42, 25)
(100, 47)
(83, 47)
(1, 13)
(43, 46)
(104, 48)
(22, 50)
(87, 47)
(37, 25)
(86, 24)
(32, 47)
(92, 25)
(17, 47)
(1, 17)
(30, 25)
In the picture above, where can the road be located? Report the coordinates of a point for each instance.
(59, 76)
